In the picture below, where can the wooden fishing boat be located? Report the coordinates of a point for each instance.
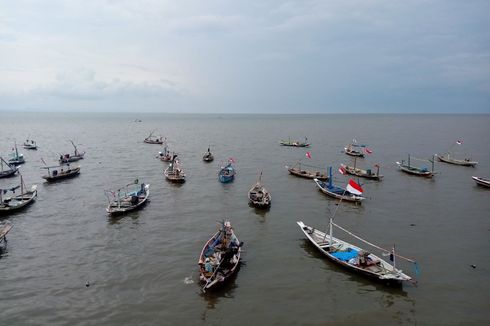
(367, 174)
(15, 157)
(165, 156)
(482, 181)
(351, 193)
(415, 170)
(226, 173)
(354, 149)
(174, 171)
(447, 158)
(151, 139)
(338, 192)
(355, 258)
(59, 172)
(30, 144)
(220, 257)
(6, 169)
(76, 156)
(128, 198)
(258, 196)
(295, 143)
(308, 174)
(14, 203)
(4, 229)
(451, 156)
(208, 156)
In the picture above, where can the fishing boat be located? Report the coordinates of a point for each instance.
(451, 157)
(220, 257)
(356, 150)
(15, 157)
(227, 173)
(482, 181)
(447, 158)
(128, 198)
(354, 258)
(16, 202)
(4, 229)
(174, 172)
(165, 156)
(151, 139)
(351, 193)
(354, 170)
(59, 172)
(7, 169)
(208, 156)
(258, 196)
(76, 156)
(295, 143)
(415, 170)
(30, 144)
(296, 170)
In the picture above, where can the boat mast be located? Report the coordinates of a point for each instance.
(432, 163)
(355, 163)
(408, 160)
(330, 177)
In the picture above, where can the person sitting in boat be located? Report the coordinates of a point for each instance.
(208, 267)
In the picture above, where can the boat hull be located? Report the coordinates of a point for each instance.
(374, 268)
(482, 182)
(307, 174)
(415, 171)
(114, 210)
(72, 174)
(259, 197)
(449, 160)
(8, 174)
(21, 202)
(219, 277)
(361, 173)
(338, 193)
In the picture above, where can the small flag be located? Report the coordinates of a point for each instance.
(342, 170)
(354, 188)
(231, 160)
(368, 150)
(459, 142)
(308, 154)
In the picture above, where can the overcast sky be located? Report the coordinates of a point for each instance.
(317, 56)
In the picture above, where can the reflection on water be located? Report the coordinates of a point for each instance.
(215, 295)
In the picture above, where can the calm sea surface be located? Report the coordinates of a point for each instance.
(142, 268)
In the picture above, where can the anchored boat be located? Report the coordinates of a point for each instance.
(128, 198)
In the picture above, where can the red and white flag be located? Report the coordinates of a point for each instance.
(459, 142)
(354, 188)
(308, 154)
(342, 170)
(368, 150)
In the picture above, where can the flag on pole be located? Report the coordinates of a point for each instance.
(342, 170)
(459, 142)
(368, 150)
(354, 188)
(308, 154)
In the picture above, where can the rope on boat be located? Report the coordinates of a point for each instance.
(420, 159)
(373, 245)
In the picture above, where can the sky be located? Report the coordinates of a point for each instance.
(267, 56)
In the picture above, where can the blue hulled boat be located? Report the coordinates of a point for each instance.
(226, 173)
(351, 193)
